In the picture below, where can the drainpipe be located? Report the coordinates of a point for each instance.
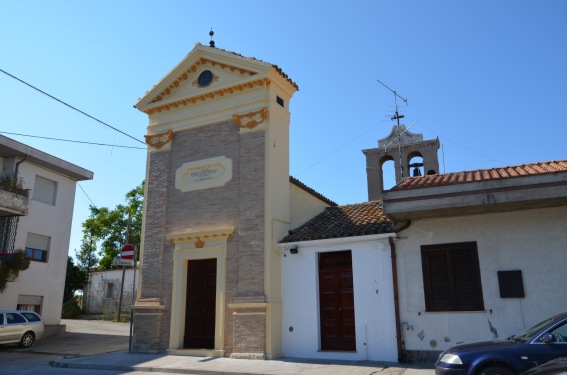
(18, 166)
(400, 341)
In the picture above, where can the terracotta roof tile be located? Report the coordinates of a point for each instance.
(343, 221)
(549, 167)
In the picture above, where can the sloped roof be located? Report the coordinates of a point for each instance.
(277, 68)
(311, 191)
(199, 55)
(350, 220)
(481, 175)
(10, 147)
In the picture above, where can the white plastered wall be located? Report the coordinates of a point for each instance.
(533, 241)
(373, 299)
(304, 206)
(44, 279)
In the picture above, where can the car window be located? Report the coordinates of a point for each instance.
(1, 319)
(560, 333)
(529, 333)
(13, 318)
(31, 317)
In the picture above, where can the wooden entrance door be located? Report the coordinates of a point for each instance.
(200, 304)
(336, 301)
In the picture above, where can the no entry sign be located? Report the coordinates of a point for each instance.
(127, 252)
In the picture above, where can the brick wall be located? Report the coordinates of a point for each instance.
(239, 203)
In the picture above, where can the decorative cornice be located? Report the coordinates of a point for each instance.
(251, 119)
(207, 96)
(199, 237)
(159, 140)
(199, 244)
(192, 69)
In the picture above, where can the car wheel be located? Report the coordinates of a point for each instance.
(27, 340)
(496, 370)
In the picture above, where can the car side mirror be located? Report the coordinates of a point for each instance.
(548, 338)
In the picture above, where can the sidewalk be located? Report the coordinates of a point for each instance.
(126, 361)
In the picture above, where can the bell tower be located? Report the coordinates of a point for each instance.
(401, 146)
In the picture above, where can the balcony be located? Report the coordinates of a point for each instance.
(14, 204)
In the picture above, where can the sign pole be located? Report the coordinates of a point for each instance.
(123, 268)
(133, 301)
(121, 292)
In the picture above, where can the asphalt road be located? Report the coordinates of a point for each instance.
(83, 337)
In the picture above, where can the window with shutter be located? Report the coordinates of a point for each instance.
(44, 190)
(451, 277)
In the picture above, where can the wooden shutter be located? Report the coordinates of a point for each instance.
(451, 277)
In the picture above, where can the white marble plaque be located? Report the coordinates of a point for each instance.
(203, 174)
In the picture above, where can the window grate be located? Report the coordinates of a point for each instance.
(8, 229)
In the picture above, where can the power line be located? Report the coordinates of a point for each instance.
(463, 146)
(70, 106)
(340, 147)
(73, 141)
(89, 198)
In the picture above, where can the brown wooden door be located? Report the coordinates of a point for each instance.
(336, 301)
(201, 304)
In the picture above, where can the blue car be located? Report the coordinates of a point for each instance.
(541, 343)
(556, 367)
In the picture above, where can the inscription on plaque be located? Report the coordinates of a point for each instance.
(203, 174)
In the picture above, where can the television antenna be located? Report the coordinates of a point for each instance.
(397, 117)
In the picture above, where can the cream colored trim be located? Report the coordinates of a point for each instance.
(206, 96)
(191, 72)
(186, 250)
(203, 174)
(211, 236)
(248, 313)
(254, 305)
(251, 121)
(157, 141)
(150, 307)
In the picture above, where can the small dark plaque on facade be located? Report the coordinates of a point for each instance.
(511, 284)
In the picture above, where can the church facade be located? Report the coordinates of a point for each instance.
(217, 202)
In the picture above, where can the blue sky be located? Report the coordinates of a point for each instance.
(486, 77)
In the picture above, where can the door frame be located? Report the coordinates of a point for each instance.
(191, 245)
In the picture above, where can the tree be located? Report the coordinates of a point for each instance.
(75, 280)
(104, 232)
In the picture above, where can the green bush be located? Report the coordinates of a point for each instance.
(71, 310)
(10, 266)
(11, 183)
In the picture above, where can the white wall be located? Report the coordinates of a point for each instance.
(373, 300)
(95, 298)
(304, 206)
(533, 241)
(44, 279)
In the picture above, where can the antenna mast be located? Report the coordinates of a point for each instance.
(397, 117)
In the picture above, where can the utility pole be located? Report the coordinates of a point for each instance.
(124, 267)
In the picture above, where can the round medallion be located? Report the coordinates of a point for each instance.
(205, 78)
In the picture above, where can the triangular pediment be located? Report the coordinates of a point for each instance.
(205, 72)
